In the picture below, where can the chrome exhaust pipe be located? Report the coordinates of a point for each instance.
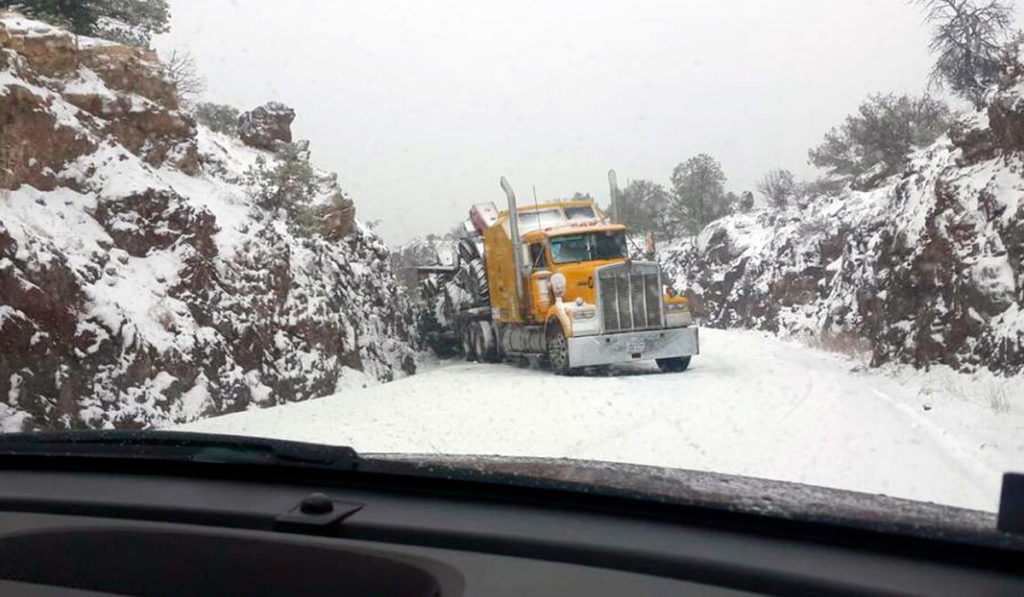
(517, 243)
(613, 185)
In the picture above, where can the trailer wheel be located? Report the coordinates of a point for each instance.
(481, 289)
(468, 344)
(558, 349)
(484, 343)
(673, 365)
(467, 250)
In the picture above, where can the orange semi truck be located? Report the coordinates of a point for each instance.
(554, 280)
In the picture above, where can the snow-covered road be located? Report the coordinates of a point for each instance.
(750, 404)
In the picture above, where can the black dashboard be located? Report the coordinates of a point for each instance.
(204, 529)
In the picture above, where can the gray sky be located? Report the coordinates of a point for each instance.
(421, 106)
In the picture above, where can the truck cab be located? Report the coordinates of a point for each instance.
(583, 301)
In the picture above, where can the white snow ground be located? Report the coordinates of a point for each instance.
(751, 404)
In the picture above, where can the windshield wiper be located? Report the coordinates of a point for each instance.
(178, 446)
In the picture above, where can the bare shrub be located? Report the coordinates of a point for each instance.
(841, 342)
(968, 41)
(182, 72)
(778, 186)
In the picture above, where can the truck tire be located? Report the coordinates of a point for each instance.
(467, 250)
(466, 280)
(558, 349)
(468, 343)
(479, 273)
(484, 343)
(673, 365)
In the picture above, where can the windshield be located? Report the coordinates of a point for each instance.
(576, 214)
(588, 247)
(289, 220)
(537, 220)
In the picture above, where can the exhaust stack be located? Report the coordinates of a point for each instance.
(517, 241)
(613, 186)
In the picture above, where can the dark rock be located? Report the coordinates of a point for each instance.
(156, 220)
(264, 125)
(974, 140)
(1006, 119)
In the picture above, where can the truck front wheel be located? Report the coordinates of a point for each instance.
(673, 365)
(558, 349)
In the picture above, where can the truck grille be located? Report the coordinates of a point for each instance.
(629, 296)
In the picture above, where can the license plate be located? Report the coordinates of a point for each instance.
(635, 346)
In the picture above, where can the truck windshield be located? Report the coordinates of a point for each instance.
(537, 220)
(574, 214)
(587, 247)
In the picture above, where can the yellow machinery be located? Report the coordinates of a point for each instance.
(560, 285)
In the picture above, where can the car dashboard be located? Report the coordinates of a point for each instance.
(72, 527)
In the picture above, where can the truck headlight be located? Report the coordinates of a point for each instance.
(584, 320)
(676, 307)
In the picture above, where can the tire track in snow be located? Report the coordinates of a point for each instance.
(969, 466)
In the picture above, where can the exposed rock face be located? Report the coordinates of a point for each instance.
(1006, 117)
(140, 283)
(927, 268)
(265, 125)
(122, 88)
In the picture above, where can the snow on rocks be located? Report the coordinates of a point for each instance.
(265, 125)
(140, 282)
(926, 268)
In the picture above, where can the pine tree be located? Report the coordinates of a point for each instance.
(642, 206)
(132, 22)
(880, 135)
(698, 190)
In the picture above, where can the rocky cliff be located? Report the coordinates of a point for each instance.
(928, 267)
(141, 282)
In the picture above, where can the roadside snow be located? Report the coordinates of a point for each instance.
(750, 405)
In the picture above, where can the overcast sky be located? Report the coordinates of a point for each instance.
(421, 106)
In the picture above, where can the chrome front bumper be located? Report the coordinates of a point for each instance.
(605, 349)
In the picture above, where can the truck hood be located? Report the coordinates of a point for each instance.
(730, 493)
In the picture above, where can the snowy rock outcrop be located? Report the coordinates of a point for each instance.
(926, 268)
(265, 125)
(141, 283)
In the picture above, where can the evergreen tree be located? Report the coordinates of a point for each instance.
(132, 22)
(220, 118)
(881, 135)
(642, 206)
(698, 191)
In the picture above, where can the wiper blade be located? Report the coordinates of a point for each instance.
(178, 446)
